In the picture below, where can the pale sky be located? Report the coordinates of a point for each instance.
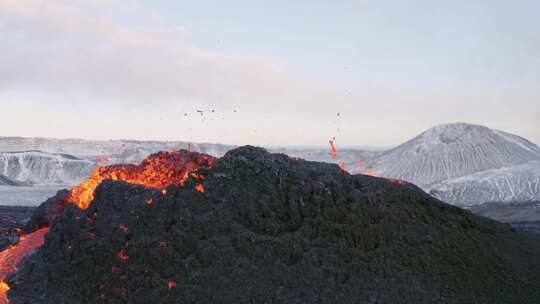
(267, 72)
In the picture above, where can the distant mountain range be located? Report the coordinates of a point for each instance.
(42, 168)
(462, 164)
(106, 151)
(90, 153)
(465, 164)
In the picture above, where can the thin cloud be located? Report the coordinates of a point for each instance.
(79, 57)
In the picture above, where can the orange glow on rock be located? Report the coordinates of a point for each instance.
(10, 257)
(122, 255)
(199, 188)
(157, 171)
(4, 288)
(197, 175)
(124, 228)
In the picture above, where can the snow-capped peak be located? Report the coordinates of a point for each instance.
(453, 150)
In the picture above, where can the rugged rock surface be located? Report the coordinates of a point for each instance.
(270, 229)
(49, 210)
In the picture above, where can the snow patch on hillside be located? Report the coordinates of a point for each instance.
(40, 168)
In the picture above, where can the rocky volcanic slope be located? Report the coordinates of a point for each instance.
(36, 167)
(270, 229)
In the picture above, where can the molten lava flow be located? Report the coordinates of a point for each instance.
(10, 257)
(4, 288)
(158, 171)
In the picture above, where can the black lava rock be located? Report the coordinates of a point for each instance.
(45, 214)
(270, 229)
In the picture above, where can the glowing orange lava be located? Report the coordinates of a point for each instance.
(10, 257)
(4, 288)
(199, 188)
(157, 171)
(333, 150)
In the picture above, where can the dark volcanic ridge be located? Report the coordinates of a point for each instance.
(271, 229)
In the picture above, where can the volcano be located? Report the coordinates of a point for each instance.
(255, 227)
(156, 171)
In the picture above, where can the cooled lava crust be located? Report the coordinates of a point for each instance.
(270, 229)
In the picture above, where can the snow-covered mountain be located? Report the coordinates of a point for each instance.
(5, 181)
(41, 168)
(134, 151)
(519, 183)
(110, 151)
(465, 164)
(453, 150)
